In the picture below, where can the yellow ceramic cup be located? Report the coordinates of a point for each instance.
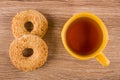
(98, 54)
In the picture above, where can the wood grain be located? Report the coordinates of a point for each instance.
(60, 65)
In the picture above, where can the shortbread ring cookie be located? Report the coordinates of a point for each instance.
(30, 21)
(28, 52)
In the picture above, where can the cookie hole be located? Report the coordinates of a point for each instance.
(27, 52)
(28, 26)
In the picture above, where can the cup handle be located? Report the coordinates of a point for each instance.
(101, 58)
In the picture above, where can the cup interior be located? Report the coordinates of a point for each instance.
(84, 36)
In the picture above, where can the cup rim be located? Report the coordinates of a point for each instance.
(102, 27)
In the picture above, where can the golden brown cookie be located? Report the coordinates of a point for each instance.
(30, 21)
(28, 52)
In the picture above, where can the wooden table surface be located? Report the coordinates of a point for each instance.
(61, 65)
